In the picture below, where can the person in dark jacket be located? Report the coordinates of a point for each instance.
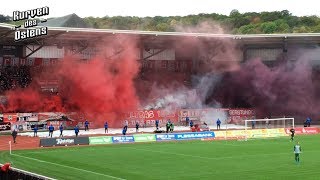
(51, 129)
(308, 122)
(218, 124)
(106, 127)
(187, 121)
(124, 130)
(76, 130)
(61, 130)
(168, 126)
(292, 130)
(137, 126)
(191, 123)
(35, 131)
(86, 125)
(14, 135)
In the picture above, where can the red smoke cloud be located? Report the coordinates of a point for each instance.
(110, 86)
(95, 87)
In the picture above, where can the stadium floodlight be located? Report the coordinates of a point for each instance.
(267, 124)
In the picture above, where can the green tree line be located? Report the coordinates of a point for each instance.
(235, 22)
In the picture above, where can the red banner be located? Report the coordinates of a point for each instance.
(9, 61)
(10, 117)
(169, 65)
(56, 120)
(304, 130)
(149, 117)
(209, 115)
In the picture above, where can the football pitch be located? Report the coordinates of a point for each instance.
(252, 159)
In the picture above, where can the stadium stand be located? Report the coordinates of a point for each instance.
(12, 77)
(159, 56)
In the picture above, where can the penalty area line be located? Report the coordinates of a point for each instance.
(214, 158)
(70, 167)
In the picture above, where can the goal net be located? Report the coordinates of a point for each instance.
(274, 123)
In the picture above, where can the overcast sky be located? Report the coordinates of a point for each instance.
(100, 8)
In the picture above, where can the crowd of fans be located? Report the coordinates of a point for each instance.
(12, 77)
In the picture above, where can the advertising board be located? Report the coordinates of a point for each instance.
(4, 126)
(144, 137)
(255, 133)
(122, 139)
(185, 136)
(165, 137)
(304, 130)
(100, 140)
(48, 142)
(195, 135)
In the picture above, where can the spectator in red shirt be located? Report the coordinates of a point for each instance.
(5, 167)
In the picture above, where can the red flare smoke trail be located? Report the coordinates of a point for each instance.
(94, 88)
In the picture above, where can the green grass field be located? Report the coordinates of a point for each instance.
(253, 159)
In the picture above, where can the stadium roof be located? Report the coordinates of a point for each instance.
(66, 34)
(71, 20)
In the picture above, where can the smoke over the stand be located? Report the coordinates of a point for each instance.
(206, 86)
(216, 78)
(290, 88)
(170, 99)
(219, 79)
(93, 87)
(202, 27)
(210, 57)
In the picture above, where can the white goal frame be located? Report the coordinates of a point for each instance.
(264, 120)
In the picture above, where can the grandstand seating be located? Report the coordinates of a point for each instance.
(12, 77)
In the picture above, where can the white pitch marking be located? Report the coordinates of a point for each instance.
(83, 170)
(210, 158)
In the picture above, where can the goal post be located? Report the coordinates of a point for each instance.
(267, 124)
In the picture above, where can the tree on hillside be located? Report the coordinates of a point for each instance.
(4, 19)
(268, 27)
(248, 29)
(236, 22)
(316, 29)
(301, 29)
(282, 26)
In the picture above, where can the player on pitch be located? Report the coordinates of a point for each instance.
(292, 133)
(297, 151)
